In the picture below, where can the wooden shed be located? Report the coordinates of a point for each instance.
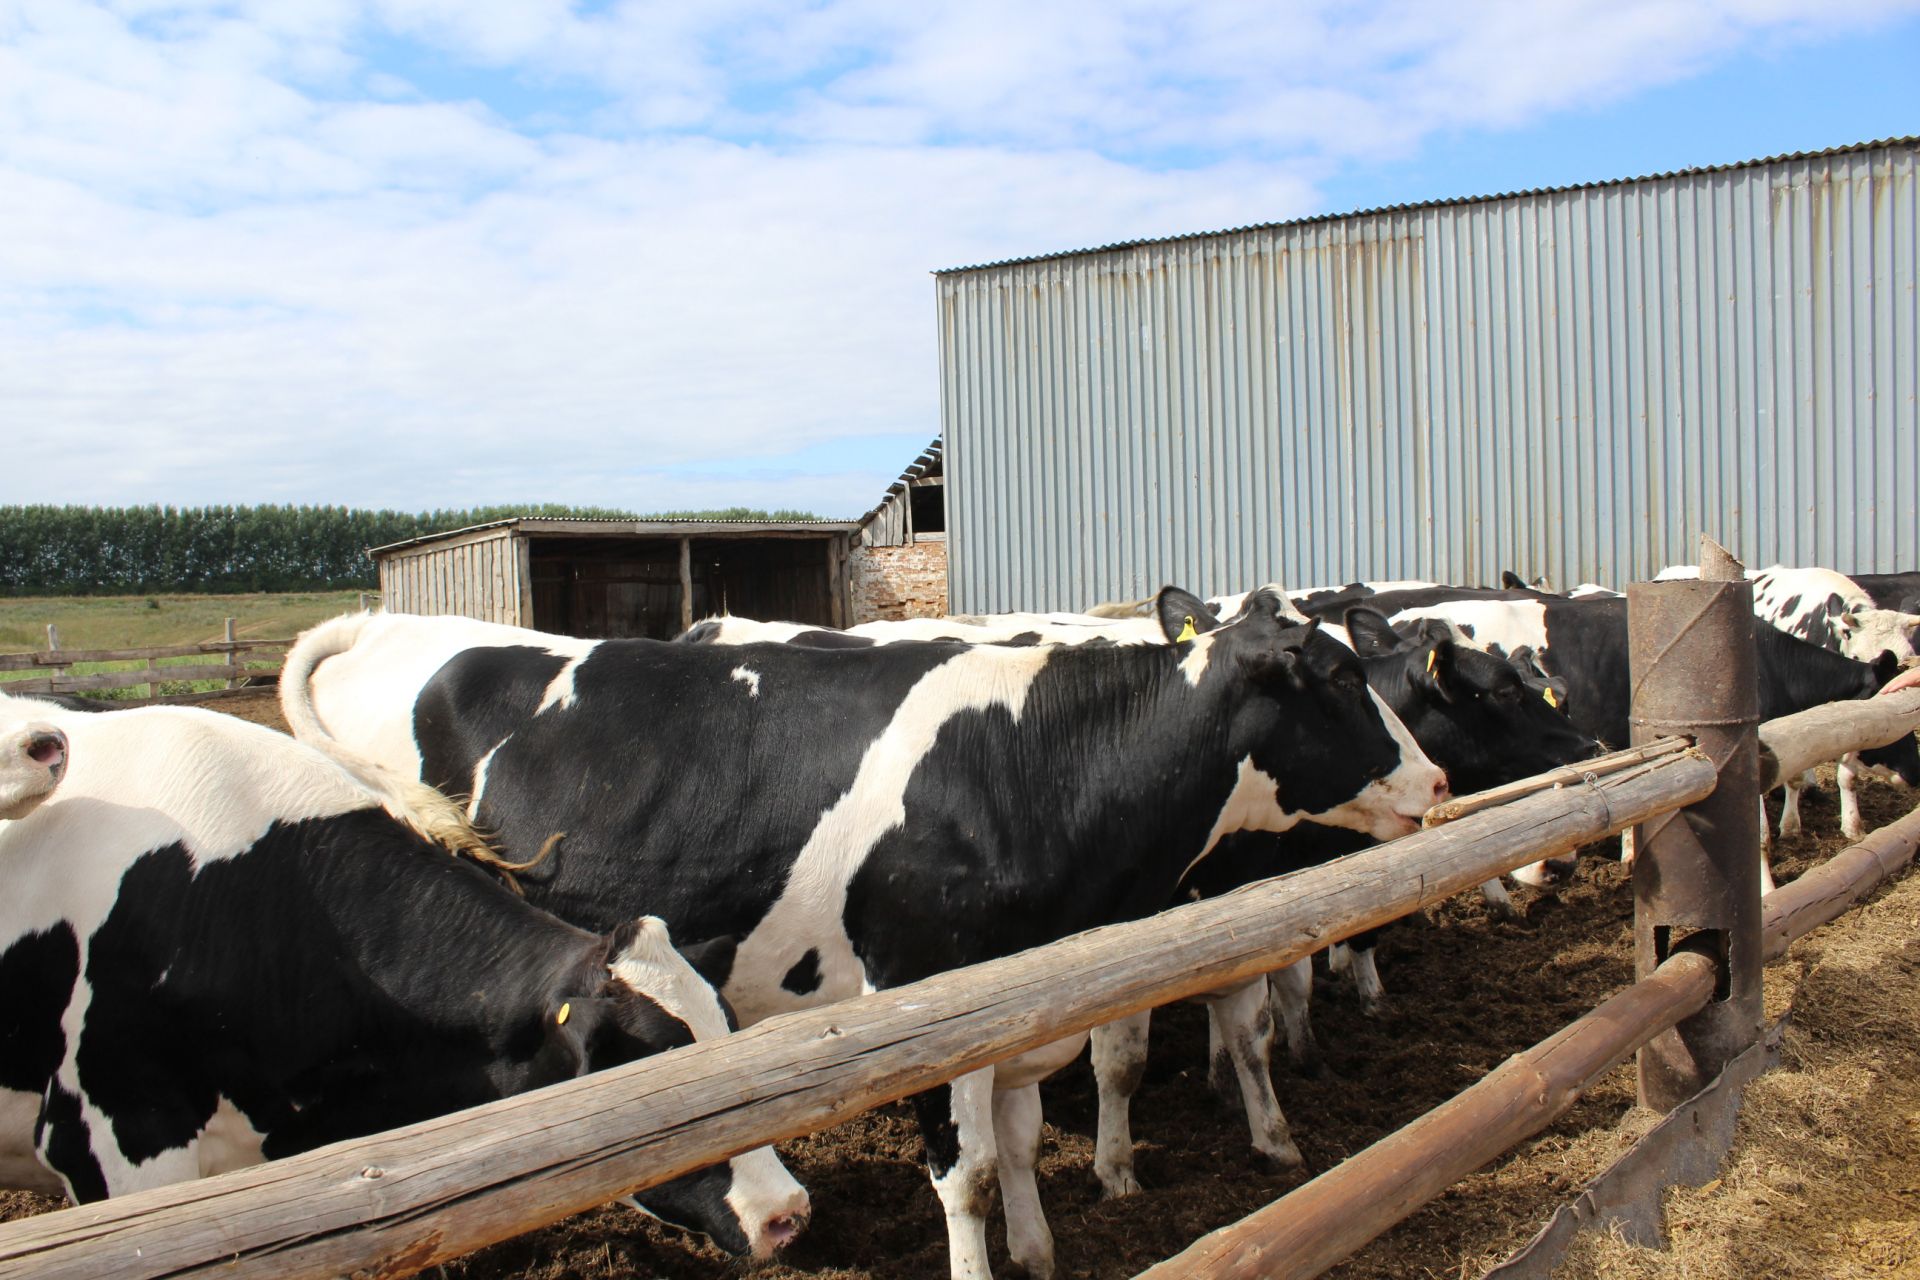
(614, 578)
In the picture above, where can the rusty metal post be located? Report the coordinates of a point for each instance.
(1696, 875)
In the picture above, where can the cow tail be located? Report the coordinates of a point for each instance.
(424, 809)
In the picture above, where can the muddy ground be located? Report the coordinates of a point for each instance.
(1465, 990)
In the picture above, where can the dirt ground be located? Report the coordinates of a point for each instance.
(1828, 1162)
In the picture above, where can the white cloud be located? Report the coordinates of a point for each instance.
(244, 257)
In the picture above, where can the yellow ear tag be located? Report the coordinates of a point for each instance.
(1430, 654)
(1551, 700)
(1187, 632)
(560, 1019)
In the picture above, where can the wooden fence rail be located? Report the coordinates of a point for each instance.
(58, 662)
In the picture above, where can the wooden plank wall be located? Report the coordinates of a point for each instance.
(473, 578)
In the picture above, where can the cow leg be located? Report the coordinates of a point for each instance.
(1790, 811)
(1627, 846)
(956, 1124)
(1366, 980)
(1016, 1135)
(1246, 1035)
(1119, 1061)
(1495, 892)
(1290, 990)
(1851, 825)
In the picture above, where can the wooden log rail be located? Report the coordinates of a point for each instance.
(399, 1202)
(1317, 1226)
(1793, 744)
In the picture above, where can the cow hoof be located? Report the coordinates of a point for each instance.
(1505, 911)
(1373, 1008)
(1287, 1159)
(1116, 1183)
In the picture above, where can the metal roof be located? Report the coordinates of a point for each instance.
(1907, 140)
(563, 525)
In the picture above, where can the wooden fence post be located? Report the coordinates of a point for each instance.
(59, 673)
(1696, 877)
(233, 656)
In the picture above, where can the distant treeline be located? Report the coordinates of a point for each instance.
(76, 551)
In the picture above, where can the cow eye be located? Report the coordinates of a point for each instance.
(1349, 680)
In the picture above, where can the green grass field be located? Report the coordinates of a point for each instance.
(148, 622)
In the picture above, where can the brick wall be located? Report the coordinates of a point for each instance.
(899, 582)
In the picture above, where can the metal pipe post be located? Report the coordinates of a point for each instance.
(1696, 876)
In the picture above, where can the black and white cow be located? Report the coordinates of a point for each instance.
(860, 818)
(33, 759)
(218, 947)
(1584, 642)
(1470, 712)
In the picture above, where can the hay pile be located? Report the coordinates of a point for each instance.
(1824, 1178)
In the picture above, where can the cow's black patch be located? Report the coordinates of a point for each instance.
(831, 640)
(1790, 606)
(37, 973)
(478, 702)
(803, 979)
(66, 1147)
(1022, 640)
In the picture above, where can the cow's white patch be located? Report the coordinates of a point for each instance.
(478, 787)
(1391, 806)
(809, 911)
(229, 1141)
(651, 966)
(1252, 805)
(559, 691)
(1199, 653)
(750, 678)
(1507, 623)
(20, 1167)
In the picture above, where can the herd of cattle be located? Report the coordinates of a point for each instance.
(221, 944)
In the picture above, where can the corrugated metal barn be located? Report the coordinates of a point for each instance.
(617, 578)
(1573, 382)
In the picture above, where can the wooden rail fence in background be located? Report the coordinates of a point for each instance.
(230, 665)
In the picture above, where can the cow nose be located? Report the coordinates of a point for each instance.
(47, 747)
(1441, 791)
(783, 1228)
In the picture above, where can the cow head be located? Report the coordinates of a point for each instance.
(1901, 757)
(1469, 711)
(1865, 632)
(1313, 740)
(655, 999)
(33, 759)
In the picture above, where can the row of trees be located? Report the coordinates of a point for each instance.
(49, 550)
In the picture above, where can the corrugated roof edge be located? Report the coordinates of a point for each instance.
(516, 521)
(919, 466)
(1851, 149)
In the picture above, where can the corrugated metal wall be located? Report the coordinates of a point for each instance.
(477, 577)
(1575, 383)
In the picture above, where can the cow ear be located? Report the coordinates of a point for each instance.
(1183, 615)
(1373, 636)
(1274, 666)
(1885, 667)
(1511, 580)
(1434, 670)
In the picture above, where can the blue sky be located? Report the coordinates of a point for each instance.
(436, 253)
